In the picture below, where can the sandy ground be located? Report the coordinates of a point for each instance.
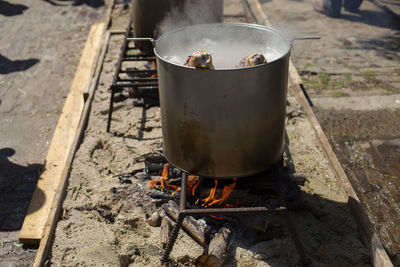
(105, 222)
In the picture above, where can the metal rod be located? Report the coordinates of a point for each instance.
(231, 211)
(292, 231)
(140, 39)
(138, 71)
(154, 79)
(181, 216)
(116, 74)
(182, 203)
(299, 246)
(147, 86)
(138, 58)
(172, 239)
(306, 38)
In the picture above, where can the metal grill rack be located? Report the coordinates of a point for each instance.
(282, 210)
(139, 83)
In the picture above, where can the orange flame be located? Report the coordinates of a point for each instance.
(211, 200)
(154, 67)
(193, 183)
(163, 182)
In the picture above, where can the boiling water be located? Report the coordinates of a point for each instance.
(225, 55)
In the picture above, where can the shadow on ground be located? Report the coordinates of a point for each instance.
(17, 184)
(381, 18)
(91, 3)
(8, 66)
(9, 9)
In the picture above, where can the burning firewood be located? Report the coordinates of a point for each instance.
(200, 60)
(162, 183)
(190, 224)
(165, 231)
(253, 60)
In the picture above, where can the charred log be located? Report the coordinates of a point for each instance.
(189, 224)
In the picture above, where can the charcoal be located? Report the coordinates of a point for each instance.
(155, 158)
(162, 195)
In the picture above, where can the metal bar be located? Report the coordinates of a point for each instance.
(140, 39)
(172, 239)
(138, 71)
(122, 53)
(299, 246)
(137, 79)
(182, 203)
(137, 85)
(181, 216)
(138, 59)
(292, 231)
(110, 110)
(231, 211)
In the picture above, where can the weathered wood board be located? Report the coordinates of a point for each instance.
(61, 144)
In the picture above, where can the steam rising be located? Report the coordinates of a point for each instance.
(227, 43)
(191, 12)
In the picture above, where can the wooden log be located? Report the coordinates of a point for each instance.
(155, 219)
(189, 224)
(165, 231)
(219, 245)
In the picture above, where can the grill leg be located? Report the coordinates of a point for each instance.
(292, 231)
(172, 239)
(293, 235)
(110, 110)
(178, 226)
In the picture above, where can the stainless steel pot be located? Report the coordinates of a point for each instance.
(147, 15)
(229, 121)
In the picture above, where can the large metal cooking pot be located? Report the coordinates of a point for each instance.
(148, 15)
(229, 121)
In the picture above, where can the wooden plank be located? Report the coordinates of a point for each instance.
(41, 254)
(61, 144)
(377, 251)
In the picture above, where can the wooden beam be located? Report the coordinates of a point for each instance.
(41, 254)
(61, 144)
(378, 254)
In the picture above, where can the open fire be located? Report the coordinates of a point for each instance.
(215, 198)
(211, 210)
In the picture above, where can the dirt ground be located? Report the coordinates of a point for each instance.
(352, 78)
(105, 222)
(40, 47)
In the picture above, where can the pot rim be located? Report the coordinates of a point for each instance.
(248, 25)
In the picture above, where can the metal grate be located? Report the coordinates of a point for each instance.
(282, 210)
(136, 83)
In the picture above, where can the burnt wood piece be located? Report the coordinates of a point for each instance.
(162, 195)
(165, 231)
(155, 219)
(155, 158)
(220, 244)
(190, 224)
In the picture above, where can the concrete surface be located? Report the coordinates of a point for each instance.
(40, 47)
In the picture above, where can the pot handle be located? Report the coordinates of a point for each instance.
(148, 39)
(300, 38)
